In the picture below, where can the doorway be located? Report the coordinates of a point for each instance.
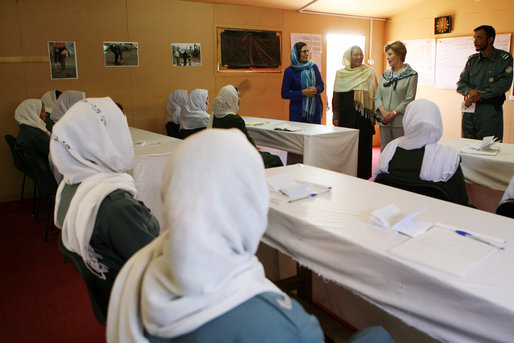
(337, 44)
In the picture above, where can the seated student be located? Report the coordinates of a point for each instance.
(33, 135)
(225, 116)
(193, 117)
(200, 281)
(49, 99)
(95, 207)
(418, 156)
(65, 101)
(176, 100)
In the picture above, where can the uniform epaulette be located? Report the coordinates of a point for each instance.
(474, 56)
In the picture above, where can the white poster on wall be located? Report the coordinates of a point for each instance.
(452, 54)
(421, 57)
(314, 42)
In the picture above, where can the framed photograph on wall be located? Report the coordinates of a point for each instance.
(63, 60)
(186, 55)
(121, 54)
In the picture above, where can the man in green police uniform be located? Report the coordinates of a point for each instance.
(484, 81)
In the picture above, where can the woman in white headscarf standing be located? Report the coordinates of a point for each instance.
(33, 135)
(194, 116)
(225, 116)
(200, 281)
(353, 104)
(65, 101)
(95, 206)
(176, 100)
(418, 156)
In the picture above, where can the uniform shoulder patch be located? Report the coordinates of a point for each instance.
(508, 70)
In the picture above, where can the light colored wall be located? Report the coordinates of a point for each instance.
(418, 23)
(27, 25)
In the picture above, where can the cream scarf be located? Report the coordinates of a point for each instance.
(362, 80)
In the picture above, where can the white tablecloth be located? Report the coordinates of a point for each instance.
(332, 148)
(330, 234)
(494, 172)
(152, 151)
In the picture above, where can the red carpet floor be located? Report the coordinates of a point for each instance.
(42, 299)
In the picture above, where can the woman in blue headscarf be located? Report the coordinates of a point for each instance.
(303, 85)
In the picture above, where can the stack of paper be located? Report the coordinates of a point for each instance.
(484, 148)
(288, 127)
(392, 218)
(284, 189)
(444, 250)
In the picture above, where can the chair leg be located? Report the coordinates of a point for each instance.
(34, 200)
(49, 219)
(22, 190)
(38, 205)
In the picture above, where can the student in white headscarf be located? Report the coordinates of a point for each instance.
(95, 206)
(200, 280)
(225, 116)
(65, 101)
(418, 156)
(194, 116)
(176, 100)
(33, 135)
(49, 100)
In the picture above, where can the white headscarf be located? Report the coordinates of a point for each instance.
(175, 101)
(49, 99)
(91, 145)
(29, 112)
(423, 127)
(194, 114)
(226, 102)
(215, 206)
(65, 101)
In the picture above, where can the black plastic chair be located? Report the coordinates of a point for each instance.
(427, 188)
(20, 164)
(506, 208)
(46, 185)
(95, 286)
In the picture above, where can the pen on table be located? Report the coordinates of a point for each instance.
(311, 195)
(469, 235)
(499, 244)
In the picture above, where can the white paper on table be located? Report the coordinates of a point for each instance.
(469, 109)
(485, 148)
(392, 218)
(288, 127)
(444, 250)
(284, 189)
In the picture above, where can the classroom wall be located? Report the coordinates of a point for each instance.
(418, 23)
(27, 25)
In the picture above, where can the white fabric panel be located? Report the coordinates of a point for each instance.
(332, 148)
(330, 234)
(152, 151)
(494, 172)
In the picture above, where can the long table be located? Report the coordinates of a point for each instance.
(330, 234)
(494, 172)
(332, 148)
(152, 151)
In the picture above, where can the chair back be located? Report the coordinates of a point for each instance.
(431, 189)
(40, 169)
(506, 208)
(95, 286)
(15, 151)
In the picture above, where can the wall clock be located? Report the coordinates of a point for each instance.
(443, 24)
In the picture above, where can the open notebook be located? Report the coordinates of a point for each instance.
(284, 189)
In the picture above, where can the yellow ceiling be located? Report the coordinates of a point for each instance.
(365, 8)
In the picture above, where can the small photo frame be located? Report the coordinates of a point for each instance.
(186, 55)
(63, 60)
(121, 54)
